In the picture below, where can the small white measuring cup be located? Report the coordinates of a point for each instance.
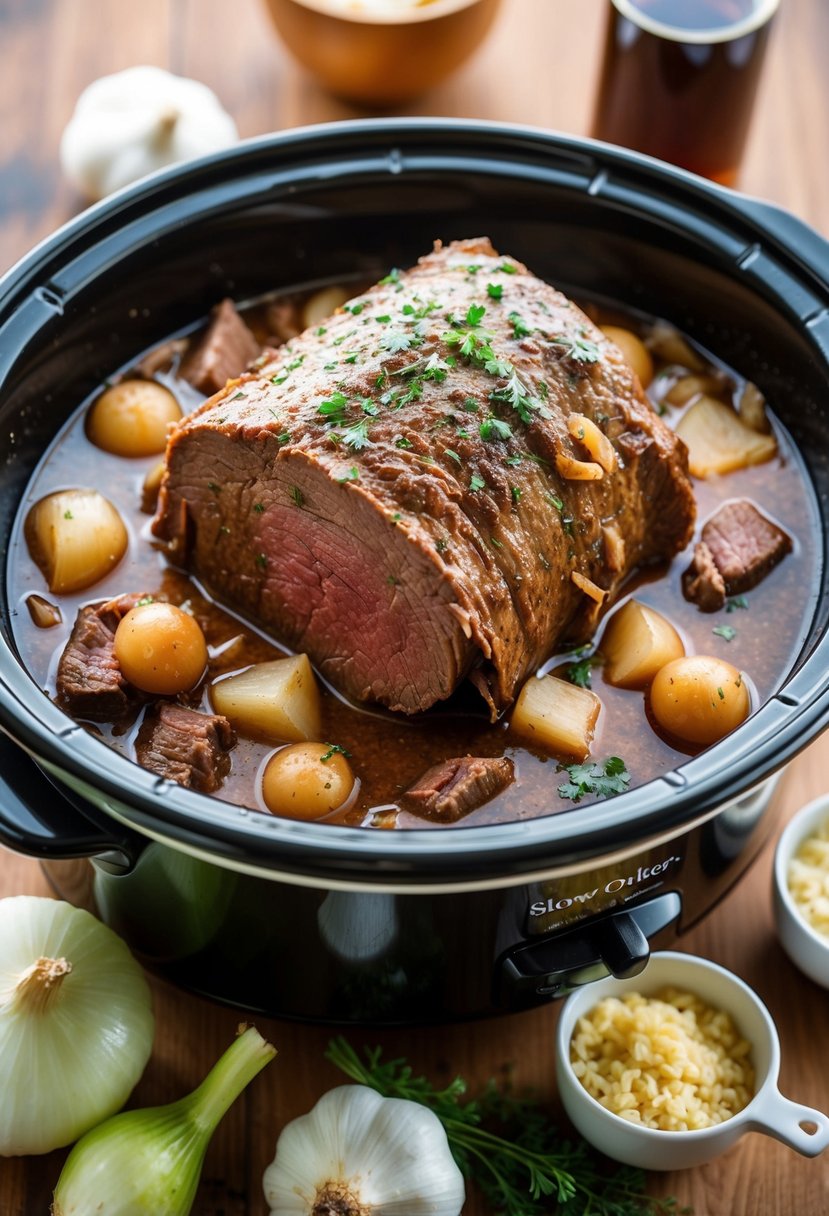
(800, 1127)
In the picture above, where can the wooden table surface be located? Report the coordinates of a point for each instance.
(539, 66)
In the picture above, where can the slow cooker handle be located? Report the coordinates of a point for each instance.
(794, 236)
(46, 820)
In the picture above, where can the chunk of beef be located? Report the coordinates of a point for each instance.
(702, 582)
(452, 789)
(89, 680)
(744, 544)
(185, 745)
(224, 352)
(385, 493)
(739, 547)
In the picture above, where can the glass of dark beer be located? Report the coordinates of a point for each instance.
(679, 79)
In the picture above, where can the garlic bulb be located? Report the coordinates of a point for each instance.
(136, 121)
(76, 1024)
(359, 1154)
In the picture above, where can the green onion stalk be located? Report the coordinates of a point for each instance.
(148, 1162)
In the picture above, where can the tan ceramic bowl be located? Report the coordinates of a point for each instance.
(382, 59)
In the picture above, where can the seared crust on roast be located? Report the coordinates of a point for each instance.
(386, 493)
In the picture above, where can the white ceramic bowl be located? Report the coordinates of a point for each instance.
(800, 1127)
(808, 949)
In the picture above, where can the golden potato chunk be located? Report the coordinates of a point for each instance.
(278, 700)
(557, 716)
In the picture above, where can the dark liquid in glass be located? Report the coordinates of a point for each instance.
(684, 101)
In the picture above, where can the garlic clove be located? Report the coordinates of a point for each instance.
(134, 122)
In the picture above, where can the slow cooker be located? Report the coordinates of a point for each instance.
(327, 923)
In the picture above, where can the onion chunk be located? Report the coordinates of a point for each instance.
(557, 716)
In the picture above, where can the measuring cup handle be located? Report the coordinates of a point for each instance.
(785, 1121)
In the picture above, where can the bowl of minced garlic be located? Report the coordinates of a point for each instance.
(668, 1069)
(801, 890)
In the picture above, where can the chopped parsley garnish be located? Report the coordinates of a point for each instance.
(68, 515)
(297, 496)
(284, 374)
(332, 408)
(354, 309)
(321, 330)
(213, 487)
(579, 350)
(727, 632)
(258, 508)
(452, 455)
(721, 694)
(392, 581)
(470, 405)
(236, 396)
(602, 780)
(356, 436)
(261, 561)
(285, 437)
(516, 459)
(516, 494)
(494, 290)
(334, 749)
(350, 358)
(476, 483)
(520, 328)
(496, 544)
(442, 544)
(736, 604)
(396, 517)
(384, 320)
(475, 314)
(145, 599)
(494, 428)
(353, 474)
(505, 268)
(392, 277)
(579, 672)
(395, 341)
(402, 442)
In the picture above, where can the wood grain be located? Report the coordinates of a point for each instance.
(539, 66)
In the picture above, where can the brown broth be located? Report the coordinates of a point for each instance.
(390, 751)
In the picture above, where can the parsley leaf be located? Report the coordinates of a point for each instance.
(727, 632)
(602, 780)
(356, 436)
(476, 483)
(578, 350)
(579, 671)
(520, 328)
(395, 341)
(334, 749)
(737, 603)
(494, 290)
(495, 428)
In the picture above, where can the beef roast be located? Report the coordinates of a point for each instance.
(453, 788)
(223, 353)
(739, 547)
(394, 492)
(185, 745)
(89, 680)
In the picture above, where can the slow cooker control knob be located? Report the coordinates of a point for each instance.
(618, 944)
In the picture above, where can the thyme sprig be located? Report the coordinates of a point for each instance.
(508, 1146)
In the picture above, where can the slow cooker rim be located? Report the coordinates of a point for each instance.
(512, 847)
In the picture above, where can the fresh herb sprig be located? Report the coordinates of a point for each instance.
(508, 1146)
(601, 779)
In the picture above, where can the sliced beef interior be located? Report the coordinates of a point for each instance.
(185, 745)
(89, 681)
(224, 352)
(405, 494)
(453, 788)
(739, 547)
